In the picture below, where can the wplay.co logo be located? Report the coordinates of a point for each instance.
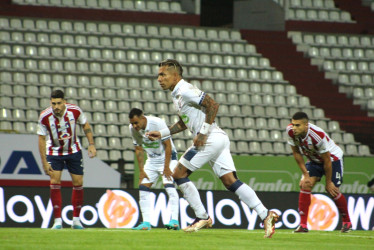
(323, 213)
(118, 209)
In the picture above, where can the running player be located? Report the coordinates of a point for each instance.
(197, 111)
(325, 158)
(59, 147)
(161, 160)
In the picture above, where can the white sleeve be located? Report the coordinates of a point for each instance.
(82, 119)
(42, 130)
(290, 140)
(162, 125)
(135, 140)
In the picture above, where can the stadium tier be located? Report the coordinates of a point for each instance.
(108, 67)
(126, 5)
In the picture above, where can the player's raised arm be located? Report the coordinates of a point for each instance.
(173, 129)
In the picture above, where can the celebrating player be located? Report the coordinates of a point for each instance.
(325, 158)
(197, 111)
(161, 160)
(59, 147)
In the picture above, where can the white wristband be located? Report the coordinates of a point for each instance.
(205, 128)
(164, 132)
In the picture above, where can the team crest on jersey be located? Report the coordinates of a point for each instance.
(65, 136)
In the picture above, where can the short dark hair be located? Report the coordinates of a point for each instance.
(135, 112)
(172, 63)
(300, 116)
(57, 94)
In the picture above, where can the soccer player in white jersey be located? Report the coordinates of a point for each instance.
(161, 160)
(59, 147)
(197, 111)
(325, 158)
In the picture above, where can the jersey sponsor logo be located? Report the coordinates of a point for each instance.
(185, 119)
(151, 144)
(118, 209)
(63, 127)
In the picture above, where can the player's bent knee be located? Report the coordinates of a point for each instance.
(180, 171)
(307, 186)
(229, 179)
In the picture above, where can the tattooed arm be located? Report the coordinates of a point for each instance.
(91, 147)
(211, 109)
(177, 127)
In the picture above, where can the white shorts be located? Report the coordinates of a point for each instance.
(153, 171)
(216, 151)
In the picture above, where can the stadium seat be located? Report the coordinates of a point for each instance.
(363, 150)
(114, 143)
(31, 127)
(337, 137)
(102, 154)
(263, 135)
(267, 148)
(255, 147)
(348, 138)
(279, 148)
(5, 125)
(351, 150)
(99, 130)
(242, 147)
(333, 126)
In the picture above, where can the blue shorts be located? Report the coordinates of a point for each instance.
(316, 170)
(73, 162)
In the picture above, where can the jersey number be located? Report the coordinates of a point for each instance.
(338, 176)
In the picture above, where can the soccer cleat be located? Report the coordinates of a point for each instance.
(77, 225)
(57, 225)
(173, 224)
(269, 224)
(347, 227)
(301, 229)
(143, 226)
(198, 224)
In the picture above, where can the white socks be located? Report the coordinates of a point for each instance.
(174, 202)
(58, 221)
(249, 197)
(144, 202)
(193, 198)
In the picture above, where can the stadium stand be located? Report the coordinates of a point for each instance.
(109, 66)
(125, 5)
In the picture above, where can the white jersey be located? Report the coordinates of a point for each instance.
(154, 149)
(315, 143)
(187, 101)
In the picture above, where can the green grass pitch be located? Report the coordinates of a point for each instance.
(101, 238)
